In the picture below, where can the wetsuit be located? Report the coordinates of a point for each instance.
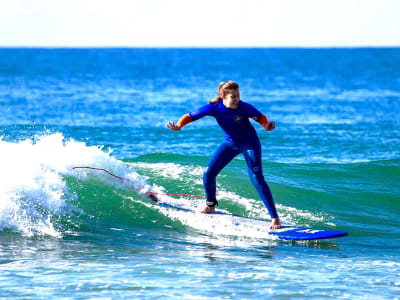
(240, 137)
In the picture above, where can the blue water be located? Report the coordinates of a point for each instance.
(333, 162)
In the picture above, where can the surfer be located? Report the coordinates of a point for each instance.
(232, 115)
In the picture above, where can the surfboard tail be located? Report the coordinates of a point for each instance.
(307, 234)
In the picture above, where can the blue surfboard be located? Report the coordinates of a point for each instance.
(306, 234)
(284, 233)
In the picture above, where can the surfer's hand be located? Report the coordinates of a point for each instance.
(270, 126)
(171, 125)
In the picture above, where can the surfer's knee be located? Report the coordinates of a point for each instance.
(208, 175)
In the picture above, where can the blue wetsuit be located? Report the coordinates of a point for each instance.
(241, 137)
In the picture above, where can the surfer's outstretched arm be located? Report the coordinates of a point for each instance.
(186, 119)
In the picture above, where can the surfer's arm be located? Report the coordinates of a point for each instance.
(265, 123)
(259, 117)
(199, 113)
(186, 119)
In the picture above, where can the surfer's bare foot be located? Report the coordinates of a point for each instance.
(275, 224)
(208, 209)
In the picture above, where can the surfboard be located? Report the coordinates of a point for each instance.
(286, 232)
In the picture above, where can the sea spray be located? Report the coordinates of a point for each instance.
(33, 189)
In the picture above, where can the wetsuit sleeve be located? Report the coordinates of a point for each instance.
(186, 119)
(263, 121)
(255, 114)
(203, 111)
(252, 112)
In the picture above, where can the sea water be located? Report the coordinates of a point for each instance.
(333, 162)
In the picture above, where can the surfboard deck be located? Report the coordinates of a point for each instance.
(306, 234)
(285, 232)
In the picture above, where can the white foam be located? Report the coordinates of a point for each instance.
(170, 170)
(33, 189)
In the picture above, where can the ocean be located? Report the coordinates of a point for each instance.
(333, 162)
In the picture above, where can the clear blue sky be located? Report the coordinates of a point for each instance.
(200, 23)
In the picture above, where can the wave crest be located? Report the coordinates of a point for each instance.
(33, 191)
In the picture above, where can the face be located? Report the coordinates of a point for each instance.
(231, 98)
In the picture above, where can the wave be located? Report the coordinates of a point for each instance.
(34, 192)
(42, 193)
(316, 194)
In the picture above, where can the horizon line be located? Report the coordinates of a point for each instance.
(196, 47)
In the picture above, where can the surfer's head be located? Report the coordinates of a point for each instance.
(229, 92)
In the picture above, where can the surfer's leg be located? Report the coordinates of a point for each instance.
(252, 155)
(224, 154)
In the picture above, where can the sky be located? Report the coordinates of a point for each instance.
(199, 23)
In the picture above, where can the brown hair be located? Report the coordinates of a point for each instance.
(223, 88)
